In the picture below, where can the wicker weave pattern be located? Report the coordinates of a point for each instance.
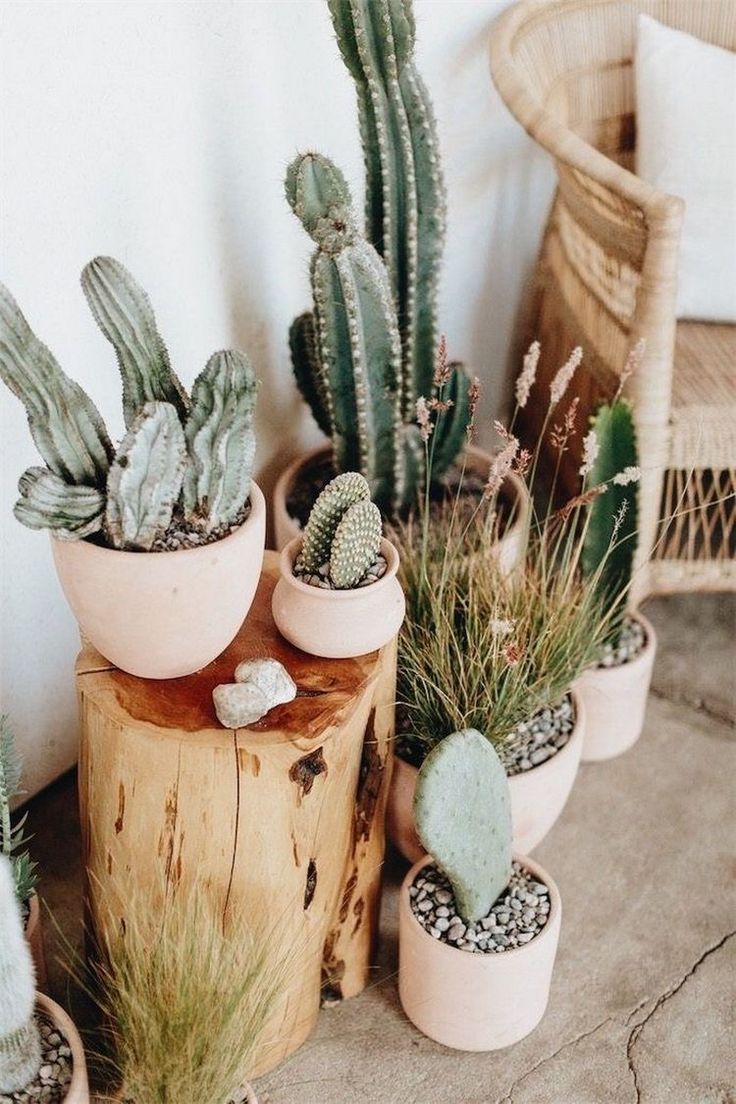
(607, 273)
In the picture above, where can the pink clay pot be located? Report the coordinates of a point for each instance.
(162, 615)
(34, 938)
(78, 1091)
(338, 624)
(615, 701)
(286, 528)
(250, 1096)
(475, 1001)
(538, 796)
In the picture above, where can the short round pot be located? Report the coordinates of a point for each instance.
(162, 615)
(286, 528)
(338, 624)
(615, 701)
(250, 1096)
(538, 796)
(78, 1091)
(475, 1001)
(34, 938)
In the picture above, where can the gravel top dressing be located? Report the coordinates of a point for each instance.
(517, 917)
(322, 578)
(52, 1083)
(631, 644)
(534, 742)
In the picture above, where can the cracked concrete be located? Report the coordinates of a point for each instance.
(642, 1003)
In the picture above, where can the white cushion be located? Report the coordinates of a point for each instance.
(686, 146)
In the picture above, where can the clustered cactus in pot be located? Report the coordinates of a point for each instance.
(181, 477)
(615, 692)
(478, 927)
(338, 595)
(366, 352)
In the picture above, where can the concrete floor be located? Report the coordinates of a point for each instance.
(642, 1002)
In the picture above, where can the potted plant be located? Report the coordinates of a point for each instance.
(13, 842)
(158, 545)
(478, 925)
(365, 354)
(615, 690)
(188, 997)
(41, 1054)
(502, 653)
(337, 595)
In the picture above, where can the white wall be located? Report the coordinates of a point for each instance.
(159, 132)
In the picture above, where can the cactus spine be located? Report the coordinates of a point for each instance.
(221, 439)
(20, 1045)
(343, 531)
(463, 816)
(130, 495)
(357, 353)
(610, 540)
(405, 194)
(124, 313)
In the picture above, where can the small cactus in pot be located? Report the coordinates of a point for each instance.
(338, 595)
(180, 479)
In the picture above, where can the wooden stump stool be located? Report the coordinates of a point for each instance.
(283, 819)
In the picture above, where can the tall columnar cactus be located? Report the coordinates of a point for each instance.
(463, 816)
(343, 531)
(405, 195)
(221, 439)
(351, 351)
(20, 1045)
(610, 540)
(189, 457)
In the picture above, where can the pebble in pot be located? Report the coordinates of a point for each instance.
(338, 595)
(478, 927)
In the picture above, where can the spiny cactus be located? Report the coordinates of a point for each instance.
(20, 1045)
(221, 439)
(130, 496)
(124, 313)
(343, 531)
(405, 194)
(12, 836)
(357, 353)
(462, 809)
(145, 478)
(610, 539)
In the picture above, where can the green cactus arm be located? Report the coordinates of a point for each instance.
(612, 557)
(319, 196)
(405, 197)
(66, 426)
(450, 432)
(47, 502)
(145, 478)
(355, 545)
(338, 496)
(221, 439)
(308, 370)
(463, 817)
(124, 313)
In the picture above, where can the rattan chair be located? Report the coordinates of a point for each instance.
(607, 272)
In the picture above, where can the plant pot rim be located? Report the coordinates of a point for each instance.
(577, 735)
(63, 1020)
(251, 1097)
(638, 661)
(288, 556)
(257, 509)
(485, 960)
(288, 475)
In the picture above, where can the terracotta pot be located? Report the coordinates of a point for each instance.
(538, 796)
(34, 938)
(162, 615)
(250, 1097)
(475, 1001)
(286, 528)
(338, 624)
(78, 1091)
(615, 700)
